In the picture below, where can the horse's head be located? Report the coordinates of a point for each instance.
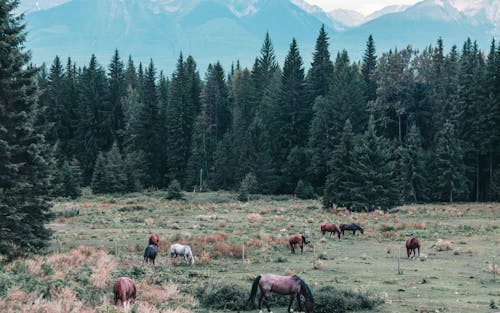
(304, 240)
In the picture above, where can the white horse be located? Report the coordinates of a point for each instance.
(183, 250)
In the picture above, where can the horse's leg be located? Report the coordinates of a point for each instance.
(267, 295)
(290, 304)
(418, 248)
(260, 301)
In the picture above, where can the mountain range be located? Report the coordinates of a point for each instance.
(231, 30)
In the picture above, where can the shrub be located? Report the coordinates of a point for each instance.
(304, 190)
(248, 185)
(332, 300)
(174, 191)
(231, 297)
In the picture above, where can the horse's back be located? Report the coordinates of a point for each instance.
(295, 238)
(124, 287)
(413, 243)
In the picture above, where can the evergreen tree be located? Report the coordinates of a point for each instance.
(368, 68)
(67, 182)
(100, 182)
(115, 171)
(374, 186)
(24, 158)
(449, 166)
(291, 114)
(340, 176)
(116, 92)
(175, 128)
(413, 168)
(320, 141)
(149, 127)
(395, 84)
(320, 74)
(95, 123)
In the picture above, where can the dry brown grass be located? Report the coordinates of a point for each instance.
(254, 217)
(62, 301)
(228, 250)
(442, 245)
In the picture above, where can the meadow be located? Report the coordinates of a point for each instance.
(100, 238)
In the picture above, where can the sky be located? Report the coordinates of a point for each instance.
(362, 6)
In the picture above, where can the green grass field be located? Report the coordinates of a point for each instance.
(234, 242)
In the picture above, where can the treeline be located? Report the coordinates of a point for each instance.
(406, 126)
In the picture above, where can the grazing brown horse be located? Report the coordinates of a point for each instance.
(297, 239)
(283, 285)
(332, 228)
(154, 240)
(411, 245)
(124, 290)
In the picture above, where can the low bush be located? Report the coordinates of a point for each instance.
(332, 300)
(231, 297)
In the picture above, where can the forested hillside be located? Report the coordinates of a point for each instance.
(402, 126)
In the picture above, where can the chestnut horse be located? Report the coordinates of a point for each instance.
(283, 285)
(297, 239)
(154, 240)
(124, 290)
(353, 227)
(332, 228)
(411, 245)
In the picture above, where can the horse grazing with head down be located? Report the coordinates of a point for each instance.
(283, 285)
(411, 245)
(353, 227)
(124, 290)
(297, 239)
(332, 228)
(184, 251)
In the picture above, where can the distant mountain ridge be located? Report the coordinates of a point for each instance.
(226, 31)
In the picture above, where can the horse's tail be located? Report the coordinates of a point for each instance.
(253, 293)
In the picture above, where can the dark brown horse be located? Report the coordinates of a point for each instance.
(283, 285)
(124, 290)
(353, 227)
(154, 240)
(332, 228)
(297, 239)
(150, 254)
(413, 244)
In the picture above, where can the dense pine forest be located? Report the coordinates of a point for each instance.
(403, 127)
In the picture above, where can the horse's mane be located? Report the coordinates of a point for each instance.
(305, 288)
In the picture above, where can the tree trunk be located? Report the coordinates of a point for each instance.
(477, 177)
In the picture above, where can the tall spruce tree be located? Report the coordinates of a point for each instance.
(291, 114)
(24, 170)
(449, 166)
(375, 185)
(116, 91)
(413, 168)
(175, 128)
(149, 126)
(368, 70)
(95, 117)
(319, 76)
(340, 176)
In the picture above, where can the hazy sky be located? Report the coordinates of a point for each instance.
(362, 6)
